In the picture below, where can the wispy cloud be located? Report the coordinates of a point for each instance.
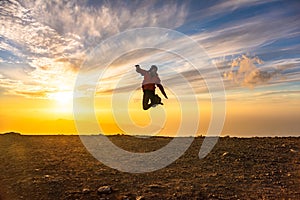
(53, 37)
(247, 35)
(88, 20)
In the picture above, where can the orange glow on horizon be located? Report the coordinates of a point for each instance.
(45, 116)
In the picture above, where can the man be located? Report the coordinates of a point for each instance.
(150, 80)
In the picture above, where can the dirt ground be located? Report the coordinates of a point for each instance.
(59, 167)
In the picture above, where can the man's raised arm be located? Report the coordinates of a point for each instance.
(139, 70)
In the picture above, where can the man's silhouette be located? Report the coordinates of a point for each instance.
(150, 80)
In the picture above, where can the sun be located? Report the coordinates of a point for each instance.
(63, 98)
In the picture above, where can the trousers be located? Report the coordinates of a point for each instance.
(148, 95)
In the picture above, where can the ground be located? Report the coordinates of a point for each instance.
(59, 167)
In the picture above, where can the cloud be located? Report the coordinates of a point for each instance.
(54, 37)
(266, 94)
(16, 71)
(24, 32)
(270, 35)
(244, 72)
(248, 34)
(229, 6)
(93, 23)
(32, 94)
(175, 71)
(211, 11)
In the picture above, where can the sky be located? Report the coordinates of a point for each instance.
(234, 62)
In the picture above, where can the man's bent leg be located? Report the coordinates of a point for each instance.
(148, 94)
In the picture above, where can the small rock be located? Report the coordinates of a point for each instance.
(125, 198)
(293, 150)
(225, 153)
(154, 186)
(86, 190)
(140, 198)
(73, 192)
(213, 174)
(104, 190)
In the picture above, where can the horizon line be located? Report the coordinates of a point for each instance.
(141, 136)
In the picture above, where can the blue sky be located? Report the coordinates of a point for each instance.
(255, 45)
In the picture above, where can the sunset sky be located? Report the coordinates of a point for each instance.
(252, 46)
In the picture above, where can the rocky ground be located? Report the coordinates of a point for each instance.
(59, 167)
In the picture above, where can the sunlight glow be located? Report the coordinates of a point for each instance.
(62, 98)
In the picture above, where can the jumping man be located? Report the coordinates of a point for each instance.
(150, 80)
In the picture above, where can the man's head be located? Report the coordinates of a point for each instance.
(153, 68)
